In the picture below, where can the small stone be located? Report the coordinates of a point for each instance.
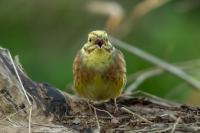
(76, 121)
(114, 121)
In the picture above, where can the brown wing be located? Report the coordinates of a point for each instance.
(77, 62)
(117, 73)
(120, 62)
(121, 66)
(82, 75)
(77, 69)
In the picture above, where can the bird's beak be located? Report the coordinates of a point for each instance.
(99, 42)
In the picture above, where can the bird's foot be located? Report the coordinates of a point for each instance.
(116, 109)
(90, 106)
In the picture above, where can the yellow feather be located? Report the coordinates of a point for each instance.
(99, 59)
(100, 72)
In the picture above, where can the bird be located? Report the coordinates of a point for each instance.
(99, 69)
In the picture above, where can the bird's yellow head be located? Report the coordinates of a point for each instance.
(97, 52)
(98, 41)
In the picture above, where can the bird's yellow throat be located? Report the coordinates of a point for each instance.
(98, 59)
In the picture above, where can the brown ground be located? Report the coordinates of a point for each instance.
(135, 114)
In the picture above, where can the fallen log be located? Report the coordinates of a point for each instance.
(29, 106)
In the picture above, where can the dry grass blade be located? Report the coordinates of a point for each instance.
(139, 77)
(175, 125)
(97, 121)
(20, 81)
(158, 62)
(134, 114)
(23, 89)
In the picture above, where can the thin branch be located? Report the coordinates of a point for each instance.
(29, 120)
(97, 121)
(134, 114)
(175, 125)
(157, 61)
(102, 110)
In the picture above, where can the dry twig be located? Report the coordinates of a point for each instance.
(134, 114)
(175, 125)
(97, 121)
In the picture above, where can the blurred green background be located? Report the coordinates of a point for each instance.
(46, 34)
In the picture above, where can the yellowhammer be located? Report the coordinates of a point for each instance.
(99, 69)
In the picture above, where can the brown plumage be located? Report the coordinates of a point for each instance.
(99, 69)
